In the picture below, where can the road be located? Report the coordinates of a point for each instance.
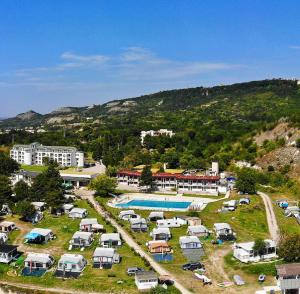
(88, 195)
(271, 218)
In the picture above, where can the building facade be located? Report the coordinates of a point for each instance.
(173, 182)
(35, 153)
(152, 133)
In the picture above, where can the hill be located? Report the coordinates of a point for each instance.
(217, 123)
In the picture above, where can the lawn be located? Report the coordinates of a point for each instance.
(33, 168)
(114, 280)
(287, 225)
(249, 222)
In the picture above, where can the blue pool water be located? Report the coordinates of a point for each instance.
(156, 204)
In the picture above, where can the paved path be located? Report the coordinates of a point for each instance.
(271, 218)
(84, 194)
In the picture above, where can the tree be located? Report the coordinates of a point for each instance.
(54, 200)
(103, 185)
(21, 190)
(46, 182)
(111, 171)
(289, 248)
(5, 190)
(146, 176)
(25, 209)
(7, 165)
(246, 181)
(259, 247)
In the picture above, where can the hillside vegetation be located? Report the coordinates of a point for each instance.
(216, 123)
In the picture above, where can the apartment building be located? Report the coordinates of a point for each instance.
(156, 133)
(35, 153)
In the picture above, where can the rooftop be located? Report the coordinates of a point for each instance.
(144, 275)
(291, 269)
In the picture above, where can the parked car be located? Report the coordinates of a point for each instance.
(192, 266)
(131, 271)
(165, 279)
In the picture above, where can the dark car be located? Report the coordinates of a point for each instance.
(192, 266)
(131, 271)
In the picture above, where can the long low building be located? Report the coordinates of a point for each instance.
(174, 182)
(74, 179)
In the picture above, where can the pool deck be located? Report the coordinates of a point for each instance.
(197, 203)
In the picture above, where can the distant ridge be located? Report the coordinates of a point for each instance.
(163, 101)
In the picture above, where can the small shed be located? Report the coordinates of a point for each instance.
(168, 223)
(128, 214)
(90, 225)
(70, 265)
(182, 219)
(223, 231)
(8, 253)
(81, 239)
(105, 257)
(3, 238)
(39, 236)
(67, 207)
(194, 221)
(78, 213)
(138, 224)
(38, 261)
(159, 247)
(245, 201)
(189, 242)
(7, 227)
(156, 215)
(110, 240)
(39, 206)
(161, 234)
(199, 231)
(145, 280)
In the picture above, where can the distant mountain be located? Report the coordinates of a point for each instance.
(165, 101)
(29, 115)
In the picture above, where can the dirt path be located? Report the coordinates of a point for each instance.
(16, 287)
(216, 268)
(271, 218)
(88, 195)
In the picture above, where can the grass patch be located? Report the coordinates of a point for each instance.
(91, 280)
(266, 268)
(33, 168)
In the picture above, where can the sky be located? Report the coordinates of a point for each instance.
(56, 53)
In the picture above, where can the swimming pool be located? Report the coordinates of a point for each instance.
(155, 204)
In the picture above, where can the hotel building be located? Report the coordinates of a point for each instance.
(35, 153)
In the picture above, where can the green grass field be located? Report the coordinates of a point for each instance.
(33, 168)
(64, 227)
(249, 222)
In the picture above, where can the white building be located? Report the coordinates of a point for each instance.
(35, 153)
(189, 242)
(152, 133)
(244, 252)
(146, 280)
(38, 261)
(208, 185)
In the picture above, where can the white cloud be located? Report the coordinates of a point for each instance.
(132, 65)
(84, 58)
(296, 47)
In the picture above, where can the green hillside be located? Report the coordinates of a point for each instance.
(210, 124)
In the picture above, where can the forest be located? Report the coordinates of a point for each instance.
(215, 123)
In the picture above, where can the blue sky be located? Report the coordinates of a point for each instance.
(75, 53)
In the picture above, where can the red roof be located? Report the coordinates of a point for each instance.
(169, 175)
